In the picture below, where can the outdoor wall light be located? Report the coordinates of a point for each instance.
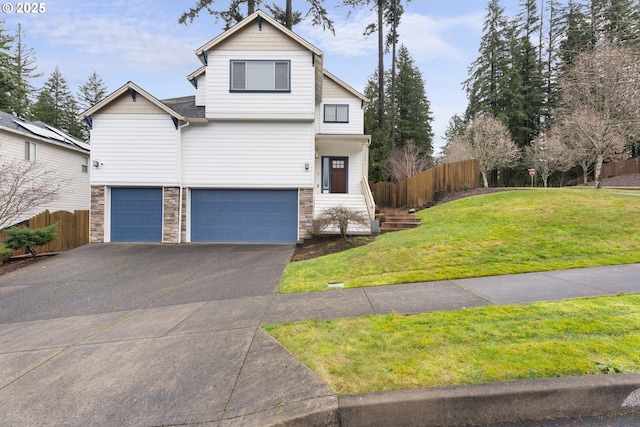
(96, 163)
(306, 166)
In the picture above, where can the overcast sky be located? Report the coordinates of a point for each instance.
(141, 41)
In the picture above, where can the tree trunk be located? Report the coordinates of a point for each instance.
(289, 15)
(251, 7)
(381, 66)
(597, 172)
(484, 180)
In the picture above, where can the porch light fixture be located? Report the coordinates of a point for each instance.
(317, 154)
(96, 163)
(306, 165)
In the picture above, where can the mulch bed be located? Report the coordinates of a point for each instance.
(13, 264)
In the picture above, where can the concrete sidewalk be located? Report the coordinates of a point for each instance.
(455, 294)
(152, 335)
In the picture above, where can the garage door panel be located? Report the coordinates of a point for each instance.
(256, 216)
(136, 214)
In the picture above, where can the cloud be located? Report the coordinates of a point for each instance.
(432, 37)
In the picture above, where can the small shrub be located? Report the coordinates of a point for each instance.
(4, 252)
(341, 217)
(28, 238)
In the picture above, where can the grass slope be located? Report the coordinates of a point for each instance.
(496, 343)
(500, 233)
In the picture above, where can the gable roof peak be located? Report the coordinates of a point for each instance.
(258, 16)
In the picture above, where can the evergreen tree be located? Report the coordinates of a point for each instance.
(380, 142)
(413, 114)
(24, 60)
(489, 73)
(92, 92)
(56, 105)
(578, 36)
(89, 94)
(233, 13)
(9, 78)
(527, 72)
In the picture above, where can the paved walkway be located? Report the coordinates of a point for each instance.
(152, 335)
(455, 294)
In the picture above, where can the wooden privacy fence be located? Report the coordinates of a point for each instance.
(621, 168)
(73, 230)
(422, 188)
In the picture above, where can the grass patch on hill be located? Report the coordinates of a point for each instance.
(499, 233)
(497, 343)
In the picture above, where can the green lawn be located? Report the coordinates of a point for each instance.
(496, 343)
(500, 233)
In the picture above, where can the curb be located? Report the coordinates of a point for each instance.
(513, 401)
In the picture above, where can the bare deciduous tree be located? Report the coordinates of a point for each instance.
(340, 217)
(486, 139)
(547, 154)
(601, 104)
(25, 186)
(407, 161)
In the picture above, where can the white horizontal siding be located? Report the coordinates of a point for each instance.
(254, 154)
(134, 149)
(201, 91)
(75, 192)
(299, 104)
(356, 118)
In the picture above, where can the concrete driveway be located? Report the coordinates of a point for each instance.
(136, 334)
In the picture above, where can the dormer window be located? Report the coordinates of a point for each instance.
(260, 76)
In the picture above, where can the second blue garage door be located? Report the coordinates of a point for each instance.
(252, 216)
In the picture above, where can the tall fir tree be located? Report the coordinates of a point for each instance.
(380, 141)
(89, 94)
(56, 105)
(527, 70)
(25, 63)
(9, 77)
(489, 73)
(412, 107)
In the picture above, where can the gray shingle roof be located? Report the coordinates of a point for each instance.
(186, 106)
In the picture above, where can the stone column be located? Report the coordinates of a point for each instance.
(306, 212)
(96, 215)
(171, 215)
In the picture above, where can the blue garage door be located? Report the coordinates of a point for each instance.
(136, 214)
(255, 216)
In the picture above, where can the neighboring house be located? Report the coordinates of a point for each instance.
(268, 141)
(67, 157)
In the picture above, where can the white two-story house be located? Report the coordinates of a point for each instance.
(53, 153)
(267, 142)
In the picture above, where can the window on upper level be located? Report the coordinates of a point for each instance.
(336, 113)
(85, 165)
(30, 151)
(260, 76)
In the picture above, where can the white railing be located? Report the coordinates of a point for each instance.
(368, 197)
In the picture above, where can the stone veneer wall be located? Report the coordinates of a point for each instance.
(96, 217)
(306, 212)
(171, 215)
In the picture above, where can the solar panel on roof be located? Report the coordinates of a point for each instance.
(40, 131)
(69, 138)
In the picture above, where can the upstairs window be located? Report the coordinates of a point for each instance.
(336, 113)
(85, 164)
(30, 151)
(260, 76)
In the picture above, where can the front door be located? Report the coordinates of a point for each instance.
(338, 174)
